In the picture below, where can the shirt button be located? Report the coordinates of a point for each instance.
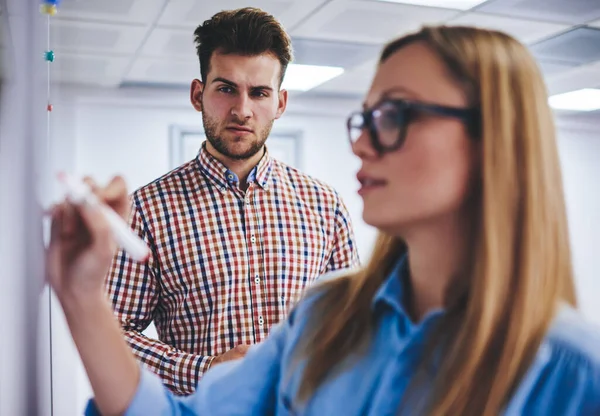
(261, 321)
(257, 280)
(253, 239)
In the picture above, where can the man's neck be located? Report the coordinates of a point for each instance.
(241, 168)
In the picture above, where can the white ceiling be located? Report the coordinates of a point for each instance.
(150, 42)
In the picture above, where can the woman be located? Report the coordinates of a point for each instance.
(466, 305)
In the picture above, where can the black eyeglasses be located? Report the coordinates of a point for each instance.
(388, 121)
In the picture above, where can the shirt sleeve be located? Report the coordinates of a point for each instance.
(134, 292)
(559, 382)
(345, 253)
(246, 386)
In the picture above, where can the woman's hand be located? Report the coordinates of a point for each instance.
(80, 253)
(81, 244)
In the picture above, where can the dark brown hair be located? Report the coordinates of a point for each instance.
(248, 31)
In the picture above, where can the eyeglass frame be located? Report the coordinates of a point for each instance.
(470, 116)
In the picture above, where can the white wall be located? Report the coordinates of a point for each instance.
(579, 153)
(71, 388)
(128, 134)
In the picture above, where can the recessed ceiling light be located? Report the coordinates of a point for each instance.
(586, 99)
(306, 77)
(447, 4)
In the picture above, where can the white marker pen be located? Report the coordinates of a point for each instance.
(79, 192)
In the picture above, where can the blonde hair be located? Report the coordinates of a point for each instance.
(520, 267)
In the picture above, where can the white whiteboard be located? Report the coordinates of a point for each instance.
(25, 354)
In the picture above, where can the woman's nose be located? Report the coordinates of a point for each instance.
(363, 146)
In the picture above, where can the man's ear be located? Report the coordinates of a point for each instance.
(283, 97)
(196, 94)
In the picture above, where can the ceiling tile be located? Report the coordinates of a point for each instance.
(191, 13)
(179, 43)
(170, 42)
(444, 4)
(111, 11)
(526, 31)
(164, 71)
(561, 11)
(553, 68)
(95, 37)
(332, 53)
(585, 76)
(344, 20)
(577, 46)
(89, 69)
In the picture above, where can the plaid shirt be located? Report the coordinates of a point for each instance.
(227, 264)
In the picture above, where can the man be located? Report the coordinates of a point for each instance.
(236, 236)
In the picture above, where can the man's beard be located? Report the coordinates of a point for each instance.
(223, 146)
